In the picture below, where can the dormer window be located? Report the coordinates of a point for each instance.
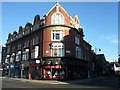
(20, 32)
(36, 23)
(27, 31)
(57, 19)
(27, 28)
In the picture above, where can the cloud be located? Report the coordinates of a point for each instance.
(110, 38)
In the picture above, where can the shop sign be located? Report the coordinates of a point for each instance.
(52, 59)
(22, 66)
(67, 51)
(37, 61)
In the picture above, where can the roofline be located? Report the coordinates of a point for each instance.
(55, 6)
(42, 27)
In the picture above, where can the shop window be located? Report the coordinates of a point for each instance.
(58, 72)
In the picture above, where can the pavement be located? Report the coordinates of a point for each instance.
(56, 81)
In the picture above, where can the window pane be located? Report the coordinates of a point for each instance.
(57, 36)
(55, 52)
(60, 52)
(58, 19)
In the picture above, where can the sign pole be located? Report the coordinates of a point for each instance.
(22, 68)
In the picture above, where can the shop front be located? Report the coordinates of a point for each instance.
(34, 69)
(53, 69)
(5, 70)
(12, 70)
(54, 72)
(17, 70)
(24, 69)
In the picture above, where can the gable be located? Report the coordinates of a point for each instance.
(57, 8)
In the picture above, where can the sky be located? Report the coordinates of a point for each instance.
(98, 19)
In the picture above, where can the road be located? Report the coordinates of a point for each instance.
(110, 82)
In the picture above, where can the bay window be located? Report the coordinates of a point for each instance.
(7, 59)
(12, 58)
(18, 56)
(25, 55)
(57, 49)
(34, 52)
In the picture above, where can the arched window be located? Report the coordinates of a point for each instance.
(58, 19)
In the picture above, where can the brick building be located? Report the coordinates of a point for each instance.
(51, 47)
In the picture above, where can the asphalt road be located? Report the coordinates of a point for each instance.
(110, 82)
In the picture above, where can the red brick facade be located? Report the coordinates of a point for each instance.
(53, 51)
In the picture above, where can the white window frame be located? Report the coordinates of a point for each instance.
(57, 46)
(54, 32)
(7, 59)
(36, 52)
(25, 55)
(12, 57)
(57, 20)
(18, 56)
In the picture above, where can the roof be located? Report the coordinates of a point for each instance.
(57, 4)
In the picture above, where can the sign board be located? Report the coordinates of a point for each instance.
(67, 51)
(37, 61)
(22, 66)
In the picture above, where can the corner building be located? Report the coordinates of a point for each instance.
(51, 47)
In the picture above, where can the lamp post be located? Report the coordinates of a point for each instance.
(22, 68)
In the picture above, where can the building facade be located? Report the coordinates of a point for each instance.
(51, 47)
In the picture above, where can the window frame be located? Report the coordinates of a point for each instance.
(57, 47)
(54, 32)
(18, 56)
(25, 55)
(35, 40)
(57, 19)
(79, 53)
